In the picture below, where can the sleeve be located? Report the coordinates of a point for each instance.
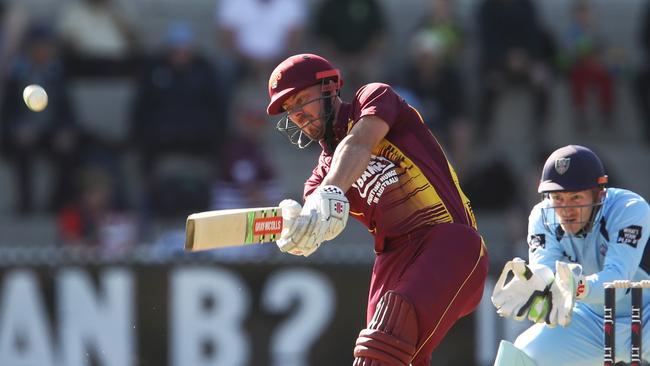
(378, 99)
(628, 226)
(543, 246)
(317, 175)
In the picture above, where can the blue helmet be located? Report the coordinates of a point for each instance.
(572, 168)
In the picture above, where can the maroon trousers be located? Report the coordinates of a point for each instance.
(441, 270)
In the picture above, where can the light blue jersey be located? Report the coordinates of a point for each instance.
(616, 248)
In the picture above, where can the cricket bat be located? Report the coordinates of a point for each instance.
(236, 227)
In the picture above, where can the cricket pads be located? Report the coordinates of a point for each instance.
(391, 336)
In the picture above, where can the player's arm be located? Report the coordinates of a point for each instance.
(628, 226)
(326, 209)
(352, 155)
(543, 246)
(626, 245)
(525, 295)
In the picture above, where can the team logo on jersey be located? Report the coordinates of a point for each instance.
(379, 174)
(629, 235)
(537, 241)
(274, 79)
(562, 165)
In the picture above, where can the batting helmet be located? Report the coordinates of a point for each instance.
(572, 168)
(296, 73)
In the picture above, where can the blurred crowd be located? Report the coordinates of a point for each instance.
(198, 132)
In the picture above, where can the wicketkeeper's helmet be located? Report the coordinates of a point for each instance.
(572, 168)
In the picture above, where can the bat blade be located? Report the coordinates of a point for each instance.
(237, 227)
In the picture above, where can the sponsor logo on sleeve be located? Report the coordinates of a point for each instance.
(537, 241)
(629, 235)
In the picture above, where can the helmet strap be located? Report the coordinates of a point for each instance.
(329, 126)
(329, 136)
(596, 208)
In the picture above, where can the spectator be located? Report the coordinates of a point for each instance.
(99, 38)
(179, 106)
(352, 33)
(258, 33)
(642, 80)
(438, 87)
(13, 22)
(247, 178)
(52, 133)
(514, 52)
(441, 20)
(95, 219)
(583, 58)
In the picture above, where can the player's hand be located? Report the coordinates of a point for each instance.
(525, 295)
(290, 213)
(569, 285)
(322, 218)
(332, 208)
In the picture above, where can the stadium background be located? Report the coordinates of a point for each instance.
(147, 303)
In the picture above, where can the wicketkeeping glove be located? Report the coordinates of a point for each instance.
(569, 285)
(525, 295)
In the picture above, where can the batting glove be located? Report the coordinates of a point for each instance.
(290, 215)
(332, 208)
(323, 217)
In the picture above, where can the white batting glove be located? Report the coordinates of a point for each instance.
(333, 210)
(323, 217)
(290, 213)
(569, 285)
(525, 294)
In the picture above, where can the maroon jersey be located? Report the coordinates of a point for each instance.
(409, 183)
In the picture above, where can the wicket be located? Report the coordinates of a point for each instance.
(609, 324)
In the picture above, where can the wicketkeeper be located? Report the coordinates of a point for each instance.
(580, 236)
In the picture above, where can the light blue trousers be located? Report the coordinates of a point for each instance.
(581, 343)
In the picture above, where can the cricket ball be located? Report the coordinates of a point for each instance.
(35, 97)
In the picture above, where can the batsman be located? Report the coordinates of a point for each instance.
(581, 235)
(382, 165)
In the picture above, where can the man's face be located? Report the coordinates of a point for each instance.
(573, 209)
(304, 110)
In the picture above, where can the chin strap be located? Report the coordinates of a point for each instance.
(328, 136)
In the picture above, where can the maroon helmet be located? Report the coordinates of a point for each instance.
(296, 73)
